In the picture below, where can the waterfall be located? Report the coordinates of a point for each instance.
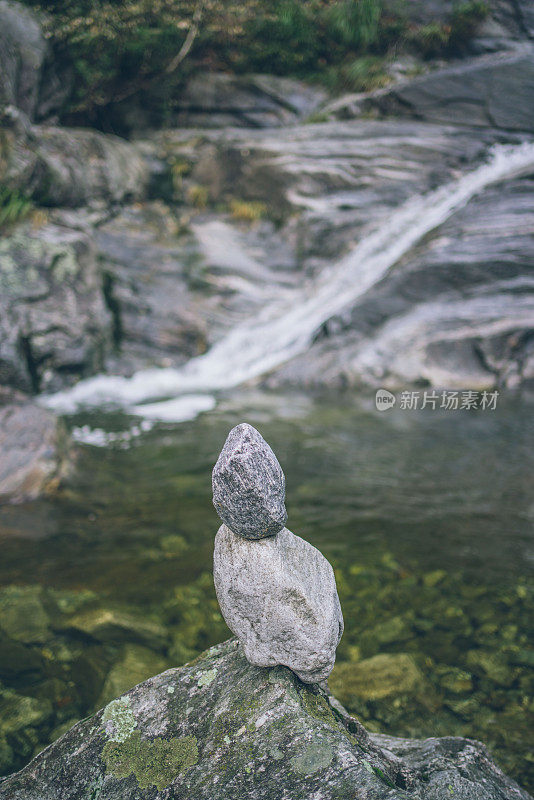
(285, 329)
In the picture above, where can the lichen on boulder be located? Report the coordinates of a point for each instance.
(221, 729)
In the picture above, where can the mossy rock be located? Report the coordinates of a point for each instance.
(221, 729)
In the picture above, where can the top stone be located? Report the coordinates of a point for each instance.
(249, 485)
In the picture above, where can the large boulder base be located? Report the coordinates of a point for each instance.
(221, 729)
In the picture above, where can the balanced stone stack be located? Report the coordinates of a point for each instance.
(277, 593)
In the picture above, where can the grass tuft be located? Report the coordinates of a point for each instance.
(14, 207)
(247, 210)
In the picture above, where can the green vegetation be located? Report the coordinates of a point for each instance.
(14, 207)
(247, 210)
(140, 44)
(437, 39)
(198, 196)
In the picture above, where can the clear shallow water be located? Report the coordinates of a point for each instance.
(427, 517)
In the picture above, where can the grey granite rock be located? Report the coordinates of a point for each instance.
(491, 90)
(54, 324)
(249, 485)
(34, 449)
(278, 595)
(31, 77)
(22, 52)
(215, 99)
(221, 729)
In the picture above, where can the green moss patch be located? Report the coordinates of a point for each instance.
(153, 763)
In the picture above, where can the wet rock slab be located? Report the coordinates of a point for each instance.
(34, 449)
(493, 91)
(222, 729)
(53, 320)
(256, 101)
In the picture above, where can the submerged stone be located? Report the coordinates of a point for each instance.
(492, 666)
(249, 733)
(6, 755)
(279, 596)
(136, 664)
(454, 680)
(118, 625)
(383, 675)
(18, 712)
(22, 614)
(17, 659)
(249, 485)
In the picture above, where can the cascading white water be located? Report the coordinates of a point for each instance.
(285, 329)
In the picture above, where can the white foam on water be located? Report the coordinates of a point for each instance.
(285, 329)
(98, 437)
(179, 409)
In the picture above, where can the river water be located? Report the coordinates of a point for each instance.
(426, 516)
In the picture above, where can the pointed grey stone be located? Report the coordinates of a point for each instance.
(278, 595)
(248, 485)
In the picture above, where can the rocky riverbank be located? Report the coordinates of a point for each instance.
(227, 221)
